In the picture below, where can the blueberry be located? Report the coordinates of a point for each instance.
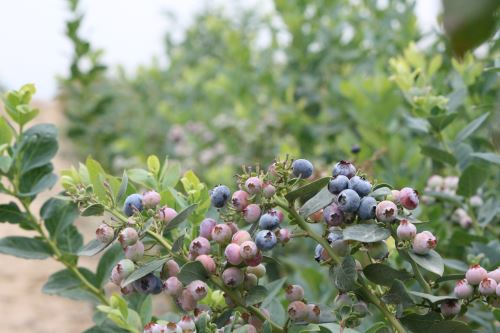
(360, 185)
(265, 240)
(133, 203)
(268, 221)
(367, 208)
(302, 168)
(219, 196)
(149, 284)
(345, 168)
(355, 149)
(338, 184)
(333, 215)
(348, 201)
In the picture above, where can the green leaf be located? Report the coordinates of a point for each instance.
(178, 243)
(344, 276)
(398, 295)
(384, 274)
(450, 277)
(471, 128)
(438, 154)
(431, 261)
(489, 157)
(11, 213)
(24, 247)
(376, 327)
(153, 164)
(64, 283)
(93, 210)
(123, 187)
(142, 177)
(472, 177)
(181, 217)
(256, 295)
(381, 192)
(108, 260)
(170, 174)
(277, 312)
(440, 122)
(449, 326)
(70, 240)
(92, 248)
(146, 309)
(192, 271)
(366, 233)
(5, 163)
(335, 328)
(145, 270)
(37, 180)
(319, 201)
(307, 191)
(432, 298)
(420, 323)
(273, 289)
(37, 146)
(96, 175)
(58, 215)
(5, 132)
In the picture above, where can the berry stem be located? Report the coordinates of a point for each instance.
(419, 276)
(364, 288)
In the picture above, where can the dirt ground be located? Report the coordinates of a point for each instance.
(23, 306)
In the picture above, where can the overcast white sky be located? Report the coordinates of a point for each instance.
(33, 47)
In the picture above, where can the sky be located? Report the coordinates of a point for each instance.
(33, 47)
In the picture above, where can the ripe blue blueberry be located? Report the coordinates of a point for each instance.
(219, 196)
(338, 184)
(348, 201)
(367, 208)
(133, 204)
(302, 168)
(149, 284)
(360, 185)
(265, 240)
(345, 168)
(333, 215)
(269, 221)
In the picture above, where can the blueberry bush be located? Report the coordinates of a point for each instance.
(283, 248)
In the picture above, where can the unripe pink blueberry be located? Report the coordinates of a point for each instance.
(294, 292)
(186, 301)
(450, 308)
(406, 230)
(463, 289)
(173, 286)
(199, 246)
(498, 290)
(408, 198)
(394, 196)
(207, 262)
(272, 169)
(172, 327)
(333, 215)
(167, 214)
(128, 289)
(495, 275)
(187, 324)
(171, 268)
(248, 250)
(234, 227)
(255, 260)
(253, 185)
(435, 182)
(487, 286)
(316, 216)
(240, 200)
(278, 213)
(125, 267)
(104, 233)
(198, 289)
(386, 211)
(424, 242)
(313, 313)
(134, 252)
(232, 254)
(233, 277)
(259, 270)
(476, 201)
(268, 190)
(206, 227)
(240, 237)
(297, 311)
(283, 235)
(451, 183)
(116, 276)
(248, 328)
(151, 199)
(475, 274)
(256, 321)
(250, 281)
(154, 328)
(128, 236)
(222, 233)
(251, 213)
